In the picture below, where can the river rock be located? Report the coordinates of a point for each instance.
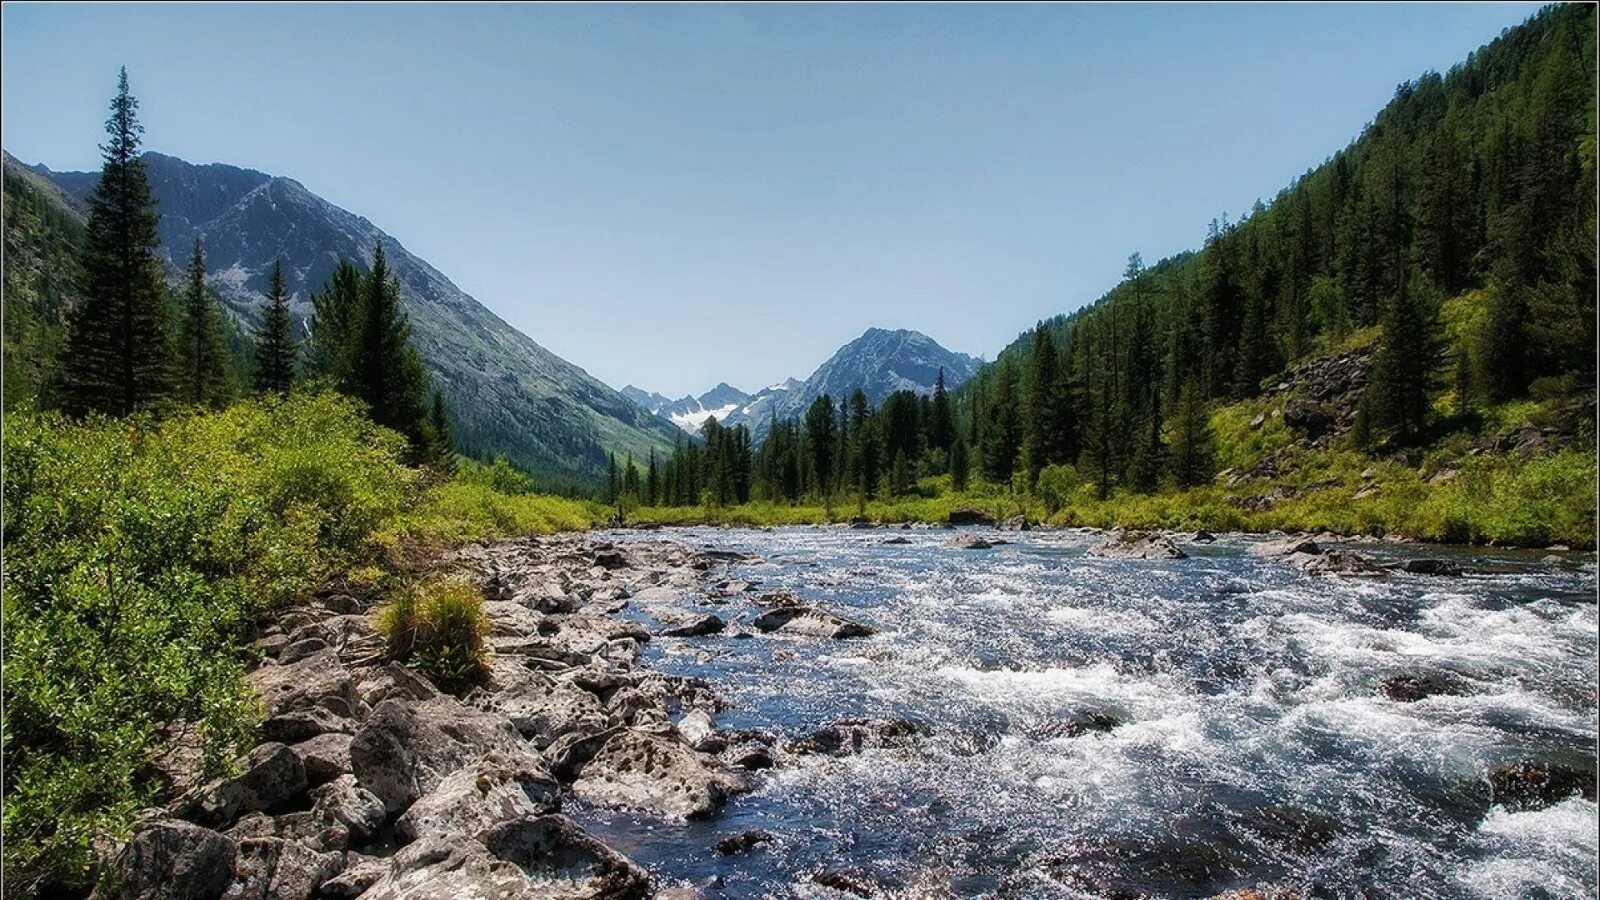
(480, 796)
(1336, 562)
(696, 626)
(272, 868)
(969, 516)
(1534, 785)
(168, 859)
(404, 750)
(450, 869)
(1431, 567)
(849, 736)
(896, 540)
(318, 686)
(1138, 545)
(1289, 827)
(1203, 537)
(743, 841)
(696, 728)
(846, 882)
(564, 863)
(1287, 546)
(805, 620)
(393, 682)
(272, 775)
(1411, 687)
(360, 873)
(1015, 523)
(646, 771)
(967, 541)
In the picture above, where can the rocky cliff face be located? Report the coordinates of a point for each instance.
(507, 394)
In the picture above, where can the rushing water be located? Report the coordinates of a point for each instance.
(1258, 747)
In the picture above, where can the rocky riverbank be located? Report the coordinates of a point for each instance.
(371, 782)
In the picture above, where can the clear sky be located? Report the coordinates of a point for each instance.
(680, 195)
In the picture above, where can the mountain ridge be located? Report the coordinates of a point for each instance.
(507, 394)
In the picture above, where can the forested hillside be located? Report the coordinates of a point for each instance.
(1449, 251)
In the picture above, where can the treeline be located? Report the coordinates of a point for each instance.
(129, 344)
(1458, 231)
(849, 449)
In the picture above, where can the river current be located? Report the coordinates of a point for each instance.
(1253, 741)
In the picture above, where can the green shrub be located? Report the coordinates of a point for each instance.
(440, 626)
(136, 553)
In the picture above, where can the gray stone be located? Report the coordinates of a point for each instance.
(271, 775)
(645, 771)
(271, 868)
(497, 789)
(344, 802)
(326, 757)
(404, 750)
(805, 620)
(172, 860)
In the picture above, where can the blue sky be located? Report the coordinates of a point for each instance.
(680, 195)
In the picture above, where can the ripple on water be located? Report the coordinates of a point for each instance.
(1131, 721)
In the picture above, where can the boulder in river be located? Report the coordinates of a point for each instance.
(1431, 567)
(968, 541)
(1336, 562)
(643, 770)
(480, 796)
(696, 626)
(1534, 785)
(1287, 546)
(1411, 687)
(806, 620)
(1203, 537)
(969, 516)
(404, 750)
(1016, 523)
(743, 841)
(849, 736)
(1138, 545)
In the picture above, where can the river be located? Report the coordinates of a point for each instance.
(1178, 728)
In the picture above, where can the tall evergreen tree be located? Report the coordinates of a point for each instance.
(276, 350)
(1403, 369)
(335, 322)
(202, 357)
(118, 357)
(386, 372)
(819, 425)
(1191, 456)
(1039, 416)
(941, 421)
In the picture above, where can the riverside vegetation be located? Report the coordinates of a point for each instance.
(1401, 343)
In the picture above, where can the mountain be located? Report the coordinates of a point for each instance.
(689, 413)
(879, 362)
(506, 394)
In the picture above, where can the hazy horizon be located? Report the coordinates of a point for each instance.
(646, 191)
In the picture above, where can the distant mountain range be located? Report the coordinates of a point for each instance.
(506, 394)
(879, 362)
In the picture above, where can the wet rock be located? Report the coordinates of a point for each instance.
(571, 752)
(1288, 827)
(480, 796)
(646, 771)
(849, 736)
(1534, 785)
(802, 620)
(1288, 546)
(1079, 722)
(1268, 892)
(1138, 545)
(171, 860)
(1336, 562)
(896, 540)
(1411, 687)
(969, 542)
(969, 516)
(750, 759)
(743, 841)
(544, 709)
(1015, 523)
(696, 728)
(779, 598)
(564, 863)
(404, 750)
(1203, 537)
(325, 757)
(271, 868)
(696, 626)
(448, 869)
(344, 802)
(610, 559)
(1430, 567)
(846, 882)
(271, 776)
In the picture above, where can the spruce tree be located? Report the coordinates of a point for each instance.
(1403, 368)
(276, 350)
(941, 423)
(1191, 439)
(118, 356)
(440, 439)
(386, 372)
(819, 427)
(202, 357)
(959, 464)
(1039, 419)
(335, 321)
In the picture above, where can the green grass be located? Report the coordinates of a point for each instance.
(440, 625)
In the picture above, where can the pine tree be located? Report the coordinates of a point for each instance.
(1191, 439)
(276, 350)
(1403, 368)
(336, 317)
(941, 423)
(652, 481)
(202, 357)
(959, 464)
(439, 437)
(118, 356)
(386, 372)
(613, 479)
(1039, 418)
(819, 435)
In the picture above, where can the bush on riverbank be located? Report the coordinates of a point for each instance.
(440, 626)
(136, 553)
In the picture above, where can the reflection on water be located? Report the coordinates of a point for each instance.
(1256, 744)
